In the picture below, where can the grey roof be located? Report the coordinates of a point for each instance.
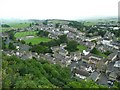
(48, 57)
(27, 56)
(81, 72)
(113, 75)
(94, 76)
(63, 51)
(79, 64)
(58, 56)
(112, 55)
(89, 44)
(87, 57)
(102, 79)
(23, 47)
(75, 53)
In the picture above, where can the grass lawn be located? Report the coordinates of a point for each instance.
(81, 48)
(23, 34)
(37, 40)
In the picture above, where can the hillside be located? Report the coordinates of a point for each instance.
(18, 73)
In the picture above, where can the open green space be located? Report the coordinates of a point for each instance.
(23, 34)
(4, 29)
(37, 40)
(19, 25)
(14, 25)
(81, 48)
(58, 21)
(89, 23)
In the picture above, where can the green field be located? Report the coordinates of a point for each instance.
(90, 23)
(19, 25)
(58, 21)
(4, 29)
(81, 48)
(0, 30)
(23, 34)
(37, 40)
(15, 25)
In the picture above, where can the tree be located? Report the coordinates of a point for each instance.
(107, 53)
(3, 45)
(76, 24)
(74, 84)
(101, 32)
(45, 22)
(5, 25)
(30, 25)
(57, 25)
(63, 39)
(94, 41)
(42, 33)
(11, 35)
(72, 46)
(22, 41)
(39, 74)
(40, 49)
(94, 51)
(11, 46)
(30, 44)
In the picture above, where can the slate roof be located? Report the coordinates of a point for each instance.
(81, 72)
(94, 76)
(102, 79)
(112, 56)
(112, 76)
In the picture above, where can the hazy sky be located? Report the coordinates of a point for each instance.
(57, 9)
